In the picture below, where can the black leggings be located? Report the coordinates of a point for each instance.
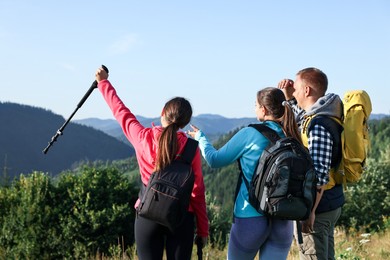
(150, 239)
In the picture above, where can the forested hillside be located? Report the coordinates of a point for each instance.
(380, 138)
(25, 131)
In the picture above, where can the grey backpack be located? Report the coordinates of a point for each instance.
(283, 185)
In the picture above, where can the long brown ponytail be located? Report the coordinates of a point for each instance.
(177, 113)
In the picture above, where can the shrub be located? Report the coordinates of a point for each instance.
(84, 214)
(96, 212)
(367, 206)
(28, 218)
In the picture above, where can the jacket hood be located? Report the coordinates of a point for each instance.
(329, 105)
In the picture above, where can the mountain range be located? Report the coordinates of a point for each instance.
(212, 125)
(26, 130)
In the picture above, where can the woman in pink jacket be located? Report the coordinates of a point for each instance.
(154, 150)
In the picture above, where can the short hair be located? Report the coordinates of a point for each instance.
(316, 78)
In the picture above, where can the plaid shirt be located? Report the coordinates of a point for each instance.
(320, 145)
(320, 148)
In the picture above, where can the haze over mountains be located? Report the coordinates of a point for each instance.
(25, 131)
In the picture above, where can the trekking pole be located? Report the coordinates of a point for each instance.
(199, 246)
(61, 129)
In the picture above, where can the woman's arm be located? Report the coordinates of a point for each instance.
(227, 154)
(131, 127)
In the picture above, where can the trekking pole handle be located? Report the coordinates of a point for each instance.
(93, 86)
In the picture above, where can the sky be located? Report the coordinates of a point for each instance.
(217, 54)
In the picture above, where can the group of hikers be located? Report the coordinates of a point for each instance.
(284, 109)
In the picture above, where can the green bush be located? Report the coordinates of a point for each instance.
(82, 215)
(98, 210)
(27, 218)
(367, 206)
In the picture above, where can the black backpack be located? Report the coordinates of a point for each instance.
(284, 183)
(166, 197)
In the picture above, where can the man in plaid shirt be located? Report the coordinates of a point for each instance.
(307, 95)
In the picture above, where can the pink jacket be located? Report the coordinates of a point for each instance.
(145, 142)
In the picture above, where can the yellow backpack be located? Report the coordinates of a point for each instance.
(355, 141)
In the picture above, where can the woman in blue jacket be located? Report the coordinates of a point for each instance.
(250, 232)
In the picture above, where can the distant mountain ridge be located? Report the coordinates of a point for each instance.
(212, 125)
(25, 131)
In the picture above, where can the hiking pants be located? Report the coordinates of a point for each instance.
(151, 239)
(271, 238)
(319, 245)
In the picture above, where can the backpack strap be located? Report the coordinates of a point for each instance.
(188, 153)
(240, 178)
(239, 181)
(268, 133)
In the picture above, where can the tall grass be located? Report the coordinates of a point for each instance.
(357, 246)
(354, 246)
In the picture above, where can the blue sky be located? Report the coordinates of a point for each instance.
(218, 54)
